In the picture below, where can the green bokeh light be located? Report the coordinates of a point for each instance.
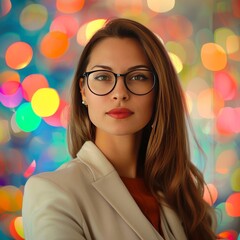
(26, 119)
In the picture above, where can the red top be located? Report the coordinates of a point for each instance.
(145, 200)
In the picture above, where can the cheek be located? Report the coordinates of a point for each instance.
(95, 107)
(145, 109)
(148, 113)
(149, 104)
(93, 113)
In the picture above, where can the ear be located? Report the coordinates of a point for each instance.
(82, 88)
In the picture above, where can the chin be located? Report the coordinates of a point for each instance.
(125, 132)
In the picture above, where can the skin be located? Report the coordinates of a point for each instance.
(118, 139)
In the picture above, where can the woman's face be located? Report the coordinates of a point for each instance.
(120, 112)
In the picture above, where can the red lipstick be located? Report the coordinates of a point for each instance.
(120, 113)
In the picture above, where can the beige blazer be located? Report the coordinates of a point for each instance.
(86, 199)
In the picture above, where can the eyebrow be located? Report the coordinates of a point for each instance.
(129, 69)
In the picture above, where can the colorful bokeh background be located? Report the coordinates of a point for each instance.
(40, 43)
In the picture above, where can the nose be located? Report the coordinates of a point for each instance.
(120, 92)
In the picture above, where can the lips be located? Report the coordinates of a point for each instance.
(120, 113)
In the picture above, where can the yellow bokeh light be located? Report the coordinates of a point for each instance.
(45, 102)
(93, 26)
(161, 6)
(18, 224)
(176, 62)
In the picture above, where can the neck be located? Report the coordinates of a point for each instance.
(121, 151)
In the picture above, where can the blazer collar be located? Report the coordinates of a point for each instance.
(108, 183)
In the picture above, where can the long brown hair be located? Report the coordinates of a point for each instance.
(165, 154)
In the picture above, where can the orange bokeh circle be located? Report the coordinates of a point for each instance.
(18, 55)
(54, 44)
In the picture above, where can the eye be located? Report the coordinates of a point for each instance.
(138, 77)
(102, 76)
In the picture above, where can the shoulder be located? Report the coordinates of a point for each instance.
(48, 191)
(52, 195)
(64, 178)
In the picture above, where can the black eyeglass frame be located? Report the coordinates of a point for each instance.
(86, 75)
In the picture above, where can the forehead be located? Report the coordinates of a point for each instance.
(118, 52)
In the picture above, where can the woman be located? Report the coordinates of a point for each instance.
(131, 176)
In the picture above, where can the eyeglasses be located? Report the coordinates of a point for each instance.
(138, 81)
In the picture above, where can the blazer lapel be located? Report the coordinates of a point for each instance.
(171, 224)
(114, 191)
(108, 183)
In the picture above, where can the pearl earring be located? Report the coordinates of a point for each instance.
(83, 102)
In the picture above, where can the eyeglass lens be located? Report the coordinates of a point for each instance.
(139, 82)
